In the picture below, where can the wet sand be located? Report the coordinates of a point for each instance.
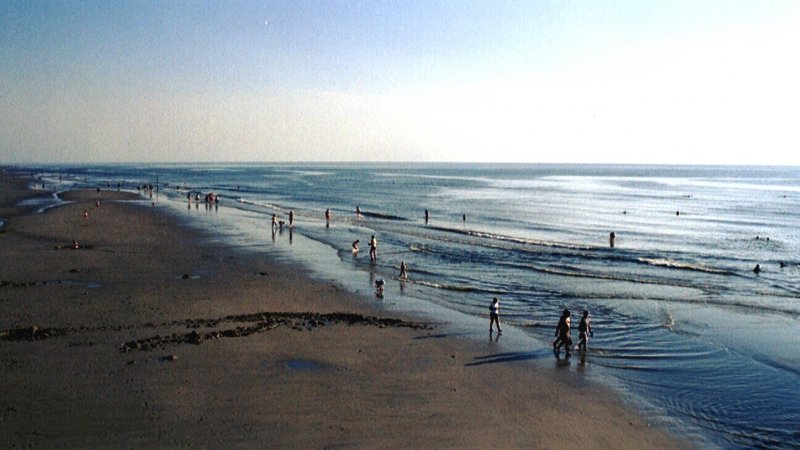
(152, 334)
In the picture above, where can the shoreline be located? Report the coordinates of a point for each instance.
(301, 384)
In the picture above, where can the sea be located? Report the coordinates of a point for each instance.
(683, 326)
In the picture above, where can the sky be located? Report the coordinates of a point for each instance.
(640, 81)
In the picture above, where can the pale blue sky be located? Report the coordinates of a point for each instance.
(703, 82)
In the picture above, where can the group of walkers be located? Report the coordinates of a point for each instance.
(564, 333)
(563, 329)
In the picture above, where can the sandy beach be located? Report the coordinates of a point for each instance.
(152, 334)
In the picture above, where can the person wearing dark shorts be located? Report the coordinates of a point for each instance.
(494, 315)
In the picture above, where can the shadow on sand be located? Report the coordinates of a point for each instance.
(511, 357)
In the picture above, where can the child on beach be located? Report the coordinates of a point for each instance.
(585, 330)
(494, 315)
(563, 337)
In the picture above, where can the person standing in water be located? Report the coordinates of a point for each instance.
(563, 337)
(327, 217)
(427, 216)
(291, 218)
(403, 270)
(355, 245)
(494, 315)
(611, 238)
(373, 248)
(585, 330)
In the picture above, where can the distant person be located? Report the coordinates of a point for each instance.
(373, 248)
(379, 284)
(464, 218)
(403, 270)
(358, 211)
(427, 216)
(97, 203)
(611, 238)
(563, 337)
(782, 264)
(494, 315)
(355, 245)
(584, 330)
(677, 213)
(274, 221)
(291, 218)
(757, 269)
(327, 217)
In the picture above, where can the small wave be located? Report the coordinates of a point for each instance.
(420, 249)
(260, 204)
(776, 364)
(513, 239)
(452, 287)
(672, 264)
(573, 273)
(382, 216)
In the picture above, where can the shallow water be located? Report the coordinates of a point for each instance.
(681, 321)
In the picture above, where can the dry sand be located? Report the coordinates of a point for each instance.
(152, 335)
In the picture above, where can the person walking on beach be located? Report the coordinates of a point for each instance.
(494, 315)
(563, 337)
(274, 222)
(291, 218)
(373, 248)
(403, 270)
(584, 330)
